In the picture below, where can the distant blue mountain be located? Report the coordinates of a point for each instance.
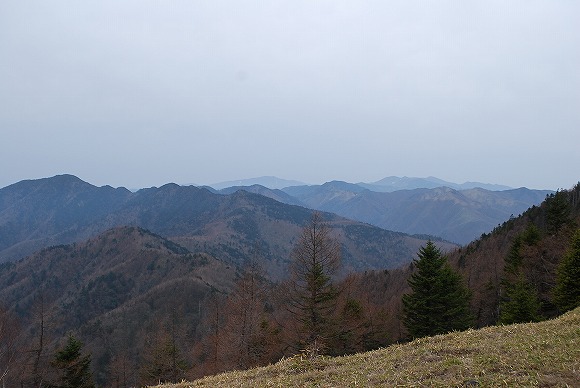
(432, 206)
(275, 194)
(270, 182)
(455, 215)
(394, 183)
(385, 185)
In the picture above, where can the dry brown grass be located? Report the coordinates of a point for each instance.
(545, 354)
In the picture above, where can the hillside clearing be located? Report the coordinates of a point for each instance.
(542, 354)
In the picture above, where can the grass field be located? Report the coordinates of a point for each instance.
(545, 354)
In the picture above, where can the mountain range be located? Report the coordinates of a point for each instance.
(395, 183)
(64, 209)
(454, 215)
(387, 184)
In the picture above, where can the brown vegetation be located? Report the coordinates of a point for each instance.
(539, 354)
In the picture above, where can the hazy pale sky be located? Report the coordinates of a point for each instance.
(141, 93)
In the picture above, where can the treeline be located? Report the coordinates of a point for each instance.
(525, 270)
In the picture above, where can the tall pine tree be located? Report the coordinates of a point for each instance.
(567, 290)
(520, 304)
(439, 301)
(558, 211)
(73, 367)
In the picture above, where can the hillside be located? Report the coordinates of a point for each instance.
(455, 215)
(532, 244)
(483, 264)
(539, 354)
(114, 291)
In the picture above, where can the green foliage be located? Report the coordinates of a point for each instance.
(514, 258)
(521, 304)
(531, 235)
(558, 211)
(567, 290)
(352, 309)
(74, 368)
(439, 302)
(352, 328)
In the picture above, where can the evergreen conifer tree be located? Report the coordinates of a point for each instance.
(558, 211)
(521, 303)
(567, 290)
(439, 301)
(74, 368)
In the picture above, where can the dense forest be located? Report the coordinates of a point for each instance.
(207, 316)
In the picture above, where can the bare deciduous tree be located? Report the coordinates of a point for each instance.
(312, 294)
(246, 331)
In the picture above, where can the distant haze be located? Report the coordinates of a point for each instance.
(138, 93)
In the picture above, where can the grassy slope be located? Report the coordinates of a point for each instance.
(541, 354)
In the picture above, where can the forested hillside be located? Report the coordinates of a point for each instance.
(524, 251)
(521, 255)
(116, 292)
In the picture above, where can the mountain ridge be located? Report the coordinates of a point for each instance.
(270, 182)
(394, 183)
(387, 184)
(226, 226)
(72, 209)
(455, 215)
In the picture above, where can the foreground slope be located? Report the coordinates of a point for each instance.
(540, 354)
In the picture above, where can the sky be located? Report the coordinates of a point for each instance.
(139, 93)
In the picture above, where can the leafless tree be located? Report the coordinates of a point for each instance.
(245, 332)
(312, 294)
